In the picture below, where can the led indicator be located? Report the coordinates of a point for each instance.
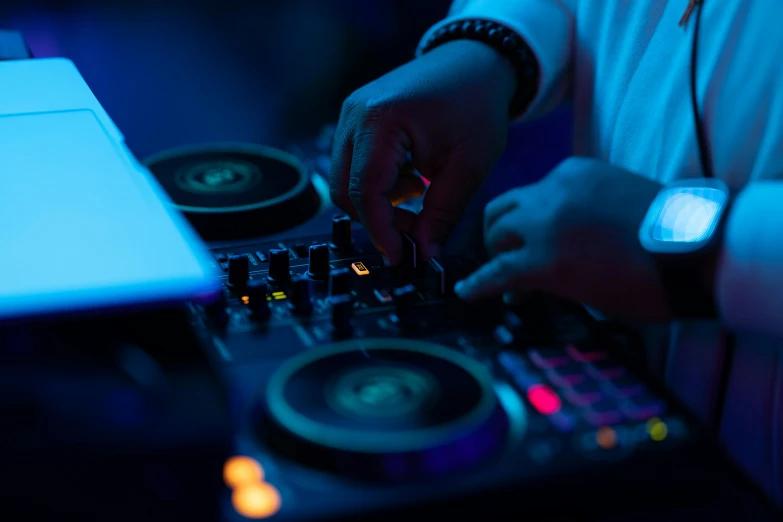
(606, 437)
(543, 399)
(657, 430)
(246, 299)
(242, 470)
(359, 268)
(259, 500)
(278, 295)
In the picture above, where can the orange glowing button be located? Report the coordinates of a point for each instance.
(359, 268)
(246, 299)
(606, 437)
(259, 500)
(239, 471)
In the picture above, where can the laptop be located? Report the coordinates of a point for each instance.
(83, 226)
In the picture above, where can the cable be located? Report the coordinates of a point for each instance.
(705, 157)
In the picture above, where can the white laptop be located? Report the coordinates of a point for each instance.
(83, 226)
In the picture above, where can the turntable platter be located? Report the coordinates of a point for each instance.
(384, 409)
(237, 191)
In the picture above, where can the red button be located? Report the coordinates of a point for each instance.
(543, 399)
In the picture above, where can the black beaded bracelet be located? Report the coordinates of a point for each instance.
(504, 40)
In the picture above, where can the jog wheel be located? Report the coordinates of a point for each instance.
(237, 191)
(383, 409)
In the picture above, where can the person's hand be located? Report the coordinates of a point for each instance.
(573, 234)
(448, 109)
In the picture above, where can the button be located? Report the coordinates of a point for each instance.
(544, 399)
(299, 295)
(318, 265)
(625, 386)
(603, 413)
(567, 375)
(549, 358)
(605, 369)
(585, 355)
(256, 292)
(342, 235)
(279, 266)
(262, 257)
(342, 311)
(383, 296)
(582, 400)
(340, 282)
(238, 271)
(221, 258)
(517, 368)
(512, 331)
(563, 422)
(643, 407)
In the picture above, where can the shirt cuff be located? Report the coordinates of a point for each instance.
(546, 25)
(749, 285)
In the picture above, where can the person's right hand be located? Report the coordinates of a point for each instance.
(450, 110)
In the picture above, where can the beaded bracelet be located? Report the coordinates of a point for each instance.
(504, 40)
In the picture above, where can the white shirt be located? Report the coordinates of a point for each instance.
(625, 65)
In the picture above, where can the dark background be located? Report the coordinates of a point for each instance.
(181, 72)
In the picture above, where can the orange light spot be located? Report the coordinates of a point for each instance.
(606, 437)
(246, 299)
(259, 500)
(239, 471)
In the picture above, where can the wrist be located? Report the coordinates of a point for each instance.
(505, 46)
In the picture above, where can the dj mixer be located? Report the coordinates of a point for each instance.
(360, 391)
(365, 391)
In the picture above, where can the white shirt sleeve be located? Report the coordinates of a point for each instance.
(750, 271)
(546, 25)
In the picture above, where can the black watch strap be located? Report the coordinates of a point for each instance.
(504, 40)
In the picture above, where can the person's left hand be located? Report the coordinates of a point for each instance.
(573, 234)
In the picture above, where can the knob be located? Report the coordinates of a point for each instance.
(342, 311)
(279, 270)
(238, 271)
(256, 292)
(299, 295)
(342, 237)
(340, 282)
(318, 267)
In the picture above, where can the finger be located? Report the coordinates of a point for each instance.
(378, 156)
(444, 204)
(507, 232)
(340, 173)
(515, 270)
(499, 206)
(406, 187)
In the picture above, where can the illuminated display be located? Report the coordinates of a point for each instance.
(689, 215)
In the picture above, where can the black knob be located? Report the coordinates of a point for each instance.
(256, 292)
(318, 267)
(342, 311)
(340, 282)
(342, 237)
(238, 271)
(279, 269)
(299, 295)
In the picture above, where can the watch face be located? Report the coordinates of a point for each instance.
(683, 218)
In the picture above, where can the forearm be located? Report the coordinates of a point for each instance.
(547, 26)
(749, 270)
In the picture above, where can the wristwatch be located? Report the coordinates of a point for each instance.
(682, 230)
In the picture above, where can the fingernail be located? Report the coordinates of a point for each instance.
(459, 288)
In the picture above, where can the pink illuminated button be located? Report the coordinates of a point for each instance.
(543, 399)
(584, 355)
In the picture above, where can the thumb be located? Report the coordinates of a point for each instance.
(445, 202)
(511, 271)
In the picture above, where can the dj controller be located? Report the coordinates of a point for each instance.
(360, 391)
(322, 385)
